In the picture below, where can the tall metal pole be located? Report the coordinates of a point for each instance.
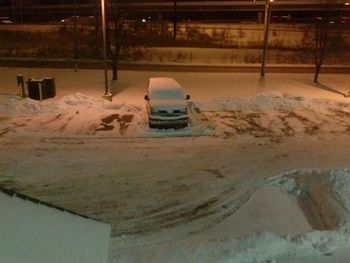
(107, 94)
(14, 14)
(20, 12)
(76, 37)
(266, 36)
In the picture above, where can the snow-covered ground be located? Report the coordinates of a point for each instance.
(260, 175)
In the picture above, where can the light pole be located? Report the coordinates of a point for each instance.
(14, 13)
(107, 94)
(266, 35)
(76, 37)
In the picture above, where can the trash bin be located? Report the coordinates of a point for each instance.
(48, 88)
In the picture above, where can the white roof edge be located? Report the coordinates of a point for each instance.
(15, 194)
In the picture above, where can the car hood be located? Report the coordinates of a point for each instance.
(168, 104)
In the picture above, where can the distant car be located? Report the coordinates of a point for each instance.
(5, 20)
(166, 104)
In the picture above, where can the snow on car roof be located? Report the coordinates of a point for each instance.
(163, 84)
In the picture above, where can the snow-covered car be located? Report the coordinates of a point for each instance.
(166, 104)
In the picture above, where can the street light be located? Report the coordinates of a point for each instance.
(107, 94)
(266, 35)
(76, 37)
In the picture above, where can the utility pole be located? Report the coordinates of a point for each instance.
(266, 35)
(107, 95)
(76, 37)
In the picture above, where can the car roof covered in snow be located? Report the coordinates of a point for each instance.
(155, 84)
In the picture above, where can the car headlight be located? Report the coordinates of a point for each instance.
(153, 111)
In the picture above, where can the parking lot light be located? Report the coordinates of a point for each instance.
(107, 94)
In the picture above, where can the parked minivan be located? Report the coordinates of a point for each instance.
(166, 104)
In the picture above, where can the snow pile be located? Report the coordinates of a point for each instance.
(284, 182)
(16, 105)
(259, 247)
(68, 103)
(275, 115)
(81, 100)
(271, 114)
(273, 101)
(75, 114)
(341, 182)
(268, 247)
(79, 114)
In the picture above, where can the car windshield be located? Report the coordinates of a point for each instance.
(167, 94)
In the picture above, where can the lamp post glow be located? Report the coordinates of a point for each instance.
(107, 94)
(266, 35)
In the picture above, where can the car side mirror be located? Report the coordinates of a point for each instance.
(188, 97)
(146, 97)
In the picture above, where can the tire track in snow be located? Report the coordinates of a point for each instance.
(213, 211)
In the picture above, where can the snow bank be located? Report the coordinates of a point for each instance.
(14, 105)
(35, 233)
(341, 183)
(273, 101)
(276, 114)
(259, 247)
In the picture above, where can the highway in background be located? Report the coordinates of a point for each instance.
(140, 7)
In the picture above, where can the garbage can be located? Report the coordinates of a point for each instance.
(48, 88)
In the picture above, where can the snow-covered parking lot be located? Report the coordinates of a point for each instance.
(260, 175)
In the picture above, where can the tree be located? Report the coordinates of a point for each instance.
(328, 37)
(175, 20)
(321, 40)
(116, 36)
(97, 39)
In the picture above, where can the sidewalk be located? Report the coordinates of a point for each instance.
(202, 86)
